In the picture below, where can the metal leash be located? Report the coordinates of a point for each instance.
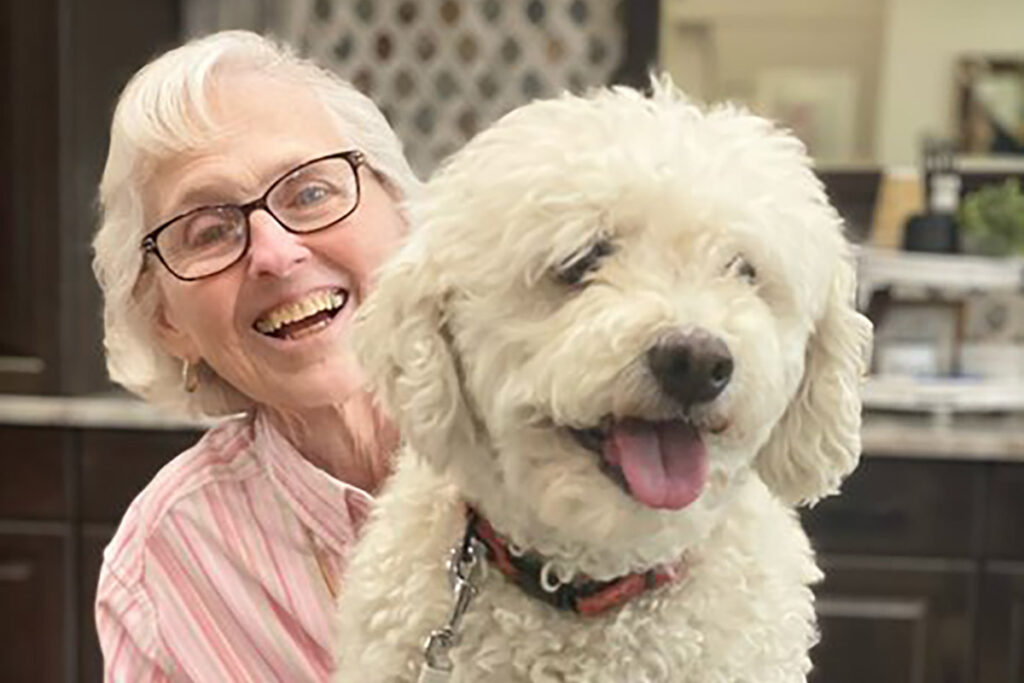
(463, 569)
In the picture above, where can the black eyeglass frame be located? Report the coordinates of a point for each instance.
(355, 159)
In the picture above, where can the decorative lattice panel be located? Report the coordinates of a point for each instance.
(442, 69)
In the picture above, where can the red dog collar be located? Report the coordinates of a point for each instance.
(584, 596)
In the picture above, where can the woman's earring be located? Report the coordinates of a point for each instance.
(190, 376)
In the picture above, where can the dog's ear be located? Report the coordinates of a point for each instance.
(817, 441)
(401, 343)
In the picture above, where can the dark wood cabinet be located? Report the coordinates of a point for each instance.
(90, 659)
(29, 261)
(114, 462)
(62, 493)
(61, 67)
(34, 562)
(33, 473)
(886, 621)
(893, 507)
(1001, 637)
(924, 564)
(1004, 533)
(1001, 630)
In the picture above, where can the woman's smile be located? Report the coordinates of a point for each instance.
(319, 318)
(305, 316)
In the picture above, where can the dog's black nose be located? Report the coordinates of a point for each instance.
(691, 368)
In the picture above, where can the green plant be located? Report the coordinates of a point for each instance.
(992, 220)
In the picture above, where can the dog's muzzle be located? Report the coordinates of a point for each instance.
(664, 463)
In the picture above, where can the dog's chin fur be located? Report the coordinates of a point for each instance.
(550, 495)
(546, 259)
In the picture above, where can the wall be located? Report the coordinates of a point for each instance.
(722, 49)
(922, 40)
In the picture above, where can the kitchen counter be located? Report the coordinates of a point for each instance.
(884, 435)
(973, 437)
(100, 412)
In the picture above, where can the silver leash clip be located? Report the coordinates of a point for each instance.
(437, 664)
(463, 569)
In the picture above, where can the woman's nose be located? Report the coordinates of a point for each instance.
(272, 249)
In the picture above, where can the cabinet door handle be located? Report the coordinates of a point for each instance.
(862, 607)
(15, 571)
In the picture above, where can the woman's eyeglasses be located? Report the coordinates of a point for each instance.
(210, 239)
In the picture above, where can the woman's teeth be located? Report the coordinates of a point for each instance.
(277, 321)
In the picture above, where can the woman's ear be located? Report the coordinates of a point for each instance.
(817, 441)
(171, 334)
(402, 343)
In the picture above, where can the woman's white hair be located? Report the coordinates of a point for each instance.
(164, 111)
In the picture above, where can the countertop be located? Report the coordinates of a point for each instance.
(884, 435)
(975, 437)
(98, 412)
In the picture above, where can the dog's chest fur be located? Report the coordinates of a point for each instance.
(744, 605)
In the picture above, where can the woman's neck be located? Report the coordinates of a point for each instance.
(352, 441)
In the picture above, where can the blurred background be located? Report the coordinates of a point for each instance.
(912, 109)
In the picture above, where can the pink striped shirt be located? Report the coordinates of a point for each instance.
(212, 575)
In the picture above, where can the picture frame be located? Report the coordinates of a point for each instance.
(990, 104)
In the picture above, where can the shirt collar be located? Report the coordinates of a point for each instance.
(332, 509)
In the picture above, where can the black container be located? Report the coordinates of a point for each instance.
(934, 232)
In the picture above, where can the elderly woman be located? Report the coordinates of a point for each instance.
(247, 199)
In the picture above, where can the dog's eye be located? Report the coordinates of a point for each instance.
(741, 267)
(575, 268)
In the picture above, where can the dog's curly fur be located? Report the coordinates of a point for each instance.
(487, 355)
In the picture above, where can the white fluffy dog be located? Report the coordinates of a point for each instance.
(621, 346)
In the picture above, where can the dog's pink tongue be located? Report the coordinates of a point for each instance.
(665, 463)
